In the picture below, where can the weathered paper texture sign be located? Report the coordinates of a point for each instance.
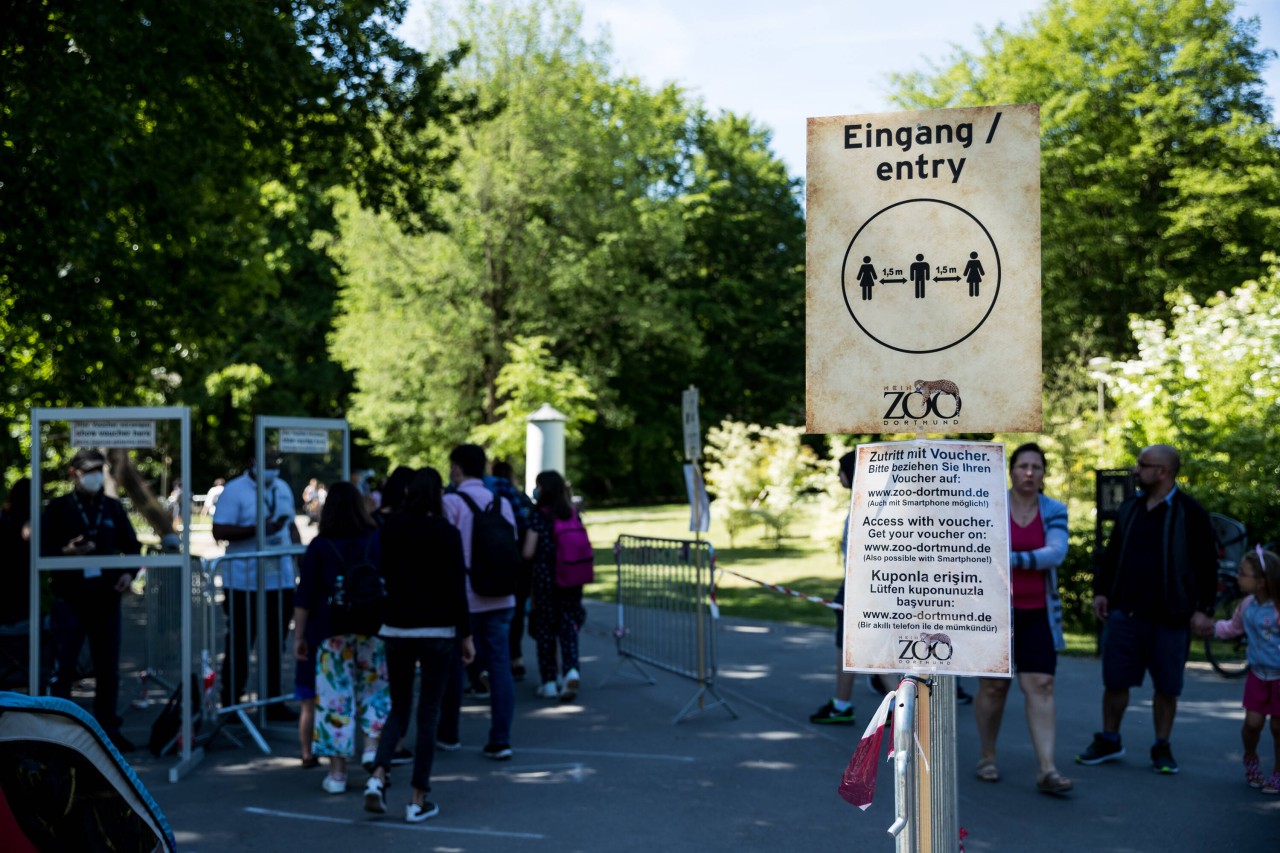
(927, 569)
(923, 272)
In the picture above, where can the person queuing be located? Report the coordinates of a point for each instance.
(86, 602)
(502, 483)
(1038, 541)
(490, 614)
(337, 613)
(556, 613)
(426, 616)
(1157, 581)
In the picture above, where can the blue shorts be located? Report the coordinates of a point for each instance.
(1132, 646)
(1033, 649)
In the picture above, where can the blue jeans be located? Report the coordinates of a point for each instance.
(491, 633)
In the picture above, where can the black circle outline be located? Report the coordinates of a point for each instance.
(844, 288)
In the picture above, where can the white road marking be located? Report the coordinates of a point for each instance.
(418, 827)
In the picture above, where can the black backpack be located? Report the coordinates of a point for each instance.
(359, 593)
(167, 727)
(495, 552)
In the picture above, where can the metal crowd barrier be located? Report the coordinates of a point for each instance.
(665, 618)
(220, 638)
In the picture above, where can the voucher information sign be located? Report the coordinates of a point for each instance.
(927, 569)
(113, 434)
(304, 441)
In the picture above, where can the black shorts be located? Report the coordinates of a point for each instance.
(839, 599)
(1033, 649)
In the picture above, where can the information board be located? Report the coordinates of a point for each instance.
(923, 272)
(303, 440)
(927, 568)
(113, 434)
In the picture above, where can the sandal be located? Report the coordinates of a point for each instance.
(310, 761)
(987, 770)
(1054, 783)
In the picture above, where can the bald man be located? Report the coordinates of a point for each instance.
(1156, 582)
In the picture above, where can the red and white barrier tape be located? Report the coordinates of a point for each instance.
(782, 589)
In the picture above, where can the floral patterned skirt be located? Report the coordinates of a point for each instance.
(351, 690)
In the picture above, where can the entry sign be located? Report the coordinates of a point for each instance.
(923, 272)
(927, 571)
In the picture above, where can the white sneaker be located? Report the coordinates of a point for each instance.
(334, 784)
(414, 813)
(547, 691)
(374, 799)
(571, 683)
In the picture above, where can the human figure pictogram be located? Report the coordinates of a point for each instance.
(973, 273)
(919, 275)
(866, 277)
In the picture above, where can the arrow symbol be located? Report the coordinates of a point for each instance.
(947, 278)
(896, 280)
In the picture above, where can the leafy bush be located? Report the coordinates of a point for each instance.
(759, 475)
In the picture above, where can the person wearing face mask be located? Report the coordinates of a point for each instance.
(236, 523)
(86, 602)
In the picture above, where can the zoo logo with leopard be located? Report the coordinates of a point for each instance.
(923, 403)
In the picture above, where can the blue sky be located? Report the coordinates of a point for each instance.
(781, 62)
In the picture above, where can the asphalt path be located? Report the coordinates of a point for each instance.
(614, 772)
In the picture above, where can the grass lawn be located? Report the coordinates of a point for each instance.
(803, 563)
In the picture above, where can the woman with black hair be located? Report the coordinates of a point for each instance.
(395, 490)
(556, 612)
(336, 616)
(426, 617)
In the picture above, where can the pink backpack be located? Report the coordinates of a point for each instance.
(575, 558)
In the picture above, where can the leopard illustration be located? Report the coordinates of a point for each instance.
(936, 387)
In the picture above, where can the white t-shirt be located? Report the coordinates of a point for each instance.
(237, 505)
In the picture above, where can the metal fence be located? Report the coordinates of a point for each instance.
(665, 618)
(239, 632)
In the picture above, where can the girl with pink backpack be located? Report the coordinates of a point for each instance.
(563, 561)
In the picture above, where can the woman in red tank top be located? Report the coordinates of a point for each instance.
(1038, 545)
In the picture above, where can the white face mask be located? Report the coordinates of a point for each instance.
(92, 482)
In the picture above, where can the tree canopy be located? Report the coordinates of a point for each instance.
(1160, 166)
(167, 178)
(645, 244)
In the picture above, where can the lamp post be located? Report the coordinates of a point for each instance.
(1098, 368)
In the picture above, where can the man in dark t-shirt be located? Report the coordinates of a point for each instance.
(1156, 581)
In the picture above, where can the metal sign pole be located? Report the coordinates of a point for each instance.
(693, 452)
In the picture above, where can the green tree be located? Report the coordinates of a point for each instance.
(743, 282)
(614, 222)
(167, 174)
(1160, 170)
(530, 378)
